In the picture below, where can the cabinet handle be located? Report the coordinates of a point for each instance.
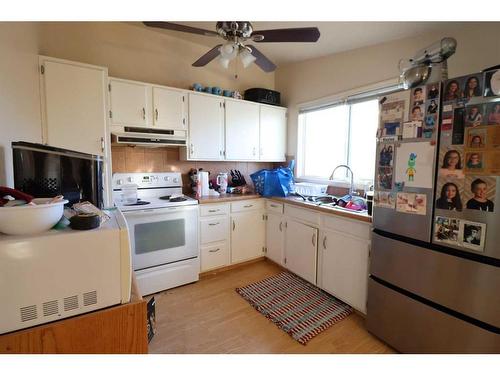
(314, 239)
(274, 205)
(156, 113)
(281, 226)
(217, 210)
(212, 224)
(324, 243)
(253, 152)
(213, 250)
(191, 149)
(234, 225)
(102, 144)
(248, 206)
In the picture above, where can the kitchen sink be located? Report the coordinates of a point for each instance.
(327, 201)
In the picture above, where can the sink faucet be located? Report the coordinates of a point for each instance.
(351, 188)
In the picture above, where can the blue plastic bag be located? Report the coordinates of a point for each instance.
(276, 182)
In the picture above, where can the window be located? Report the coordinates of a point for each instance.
(340, 134)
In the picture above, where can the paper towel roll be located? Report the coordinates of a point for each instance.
(203, 176)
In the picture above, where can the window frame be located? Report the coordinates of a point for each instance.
(345, 98)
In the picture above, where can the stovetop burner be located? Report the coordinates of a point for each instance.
(138, 203)
(176, 199)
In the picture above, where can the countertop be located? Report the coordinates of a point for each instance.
(362, 216)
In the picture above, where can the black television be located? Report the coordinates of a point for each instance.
(45, 171)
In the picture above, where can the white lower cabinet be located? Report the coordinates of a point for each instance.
(247, 235)
(343, 267)
(214, 256)
(301, 250)
(275, 238)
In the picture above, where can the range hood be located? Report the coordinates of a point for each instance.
(147, 136)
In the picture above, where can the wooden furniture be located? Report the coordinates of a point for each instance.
(116, 330)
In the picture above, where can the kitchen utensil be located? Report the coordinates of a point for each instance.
(222, 181)
(31, 219)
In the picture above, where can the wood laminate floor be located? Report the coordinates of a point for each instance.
(210, 317)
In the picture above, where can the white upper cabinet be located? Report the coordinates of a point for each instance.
(206, 128)
(130, 103)
(242, 130)
(169, 108)
(272, 133)
(73, 105)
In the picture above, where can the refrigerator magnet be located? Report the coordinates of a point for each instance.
(447, 230)
(473, 235)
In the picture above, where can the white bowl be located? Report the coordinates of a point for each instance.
(30, 219)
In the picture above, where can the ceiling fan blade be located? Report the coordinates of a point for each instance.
(300, 34)
(262, 61)
(209, 56)
(177, 27)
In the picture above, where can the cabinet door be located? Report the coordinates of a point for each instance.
(242, 130)
(130, 103)
(344, 267)
(300, 250)
(247, 235)
(275, 238)
(169, 108)
(74, 106)
(272, 134)
(206, 128)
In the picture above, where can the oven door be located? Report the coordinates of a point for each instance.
(163, 235)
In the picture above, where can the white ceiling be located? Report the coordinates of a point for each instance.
(335, 36)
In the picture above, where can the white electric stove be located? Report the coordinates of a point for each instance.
(163, 230)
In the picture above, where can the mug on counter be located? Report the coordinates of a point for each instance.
(227, 93)
(197, 87)
(216, 90)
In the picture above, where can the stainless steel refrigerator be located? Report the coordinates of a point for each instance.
(434, 284)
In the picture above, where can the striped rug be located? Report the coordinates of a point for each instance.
(294, 305)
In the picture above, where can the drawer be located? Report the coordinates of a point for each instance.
(249, 205)
(214, 229)
(214, 209)
(276, 207)
(214, 256)
(351, 227)
(304, 215)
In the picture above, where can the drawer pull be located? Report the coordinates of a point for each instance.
(281, 226)
(248, 205)
(234, 225)
(213, 250)
(212, 224)
(324, 243)
(217, 210)
(274, 205)
(314, 240)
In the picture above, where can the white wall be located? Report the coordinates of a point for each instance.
(19, 92)
(478, 48)
(129, 52)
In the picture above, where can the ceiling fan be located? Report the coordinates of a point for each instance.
(236, 34)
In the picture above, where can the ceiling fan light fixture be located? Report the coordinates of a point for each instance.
(229, 51)
(224, 62)
(247, 58)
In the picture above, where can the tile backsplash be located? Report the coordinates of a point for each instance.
(166, 159)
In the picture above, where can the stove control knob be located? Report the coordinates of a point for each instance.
(119, 182)
(176, 180)
(166, 178)
(130, 179)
